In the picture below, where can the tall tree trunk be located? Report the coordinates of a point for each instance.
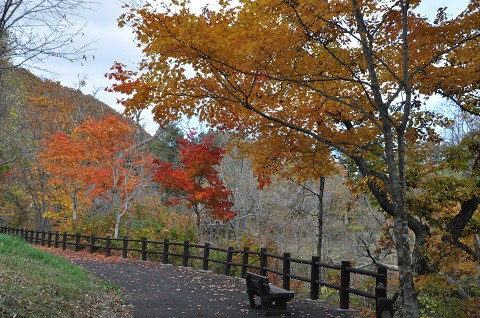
(321, 190)
(397, 187)
(117, 224)
(409, 307)
(476, 243)
(199, 223)
(73, 197)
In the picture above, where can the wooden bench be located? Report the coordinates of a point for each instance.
(273, 299)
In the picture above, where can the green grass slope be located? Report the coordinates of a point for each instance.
(36, 284)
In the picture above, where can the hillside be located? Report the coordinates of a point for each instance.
(20, 87)
(34, 283)
(31, 111)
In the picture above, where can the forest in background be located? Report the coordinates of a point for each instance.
(296, 158)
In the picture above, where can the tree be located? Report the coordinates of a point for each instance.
(104, 156)
(62, 159)
(196, 181)
(165, 144)
(307, 81)
(32, 30)
(444, 187)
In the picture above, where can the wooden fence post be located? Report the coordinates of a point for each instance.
(107, 246)
(144, 249)
(185, 254)
(286, 271)
(92, 244)
(77, 242)
(380, 290)
(245, 261)
(124, 247)
(43, 237)
(64, 241)
(314, 276)
(37, 237)
(385, 308)
(263, 261)
(49, 239)
(165, 252)
(382, 277)
(31, 236)
(56, 239)
(344, 284)
(228, 261)
(206, 256)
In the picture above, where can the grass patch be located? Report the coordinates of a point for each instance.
(34, 283)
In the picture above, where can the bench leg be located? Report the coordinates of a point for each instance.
(276, 308)
(267, 306)
(251, 300)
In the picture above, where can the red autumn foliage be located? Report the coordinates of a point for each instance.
(196, 181)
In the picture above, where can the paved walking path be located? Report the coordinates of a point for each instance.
(157, 290)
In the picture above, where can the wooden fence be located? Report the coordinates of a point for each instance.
(146, 248)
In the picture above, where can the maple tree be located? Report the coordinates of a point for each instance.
(307, 80)
(100, 156)
(61, 159)
(196, 180)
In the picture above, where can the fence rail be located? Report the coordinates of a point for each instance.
(183, 252)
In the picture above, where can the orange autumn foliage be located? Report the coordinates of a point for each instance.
(101, 158)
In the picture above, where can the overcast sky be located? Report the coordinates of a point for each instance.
(109, 44)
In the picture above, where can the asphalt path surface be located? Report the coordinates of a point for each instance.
(157, 290)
